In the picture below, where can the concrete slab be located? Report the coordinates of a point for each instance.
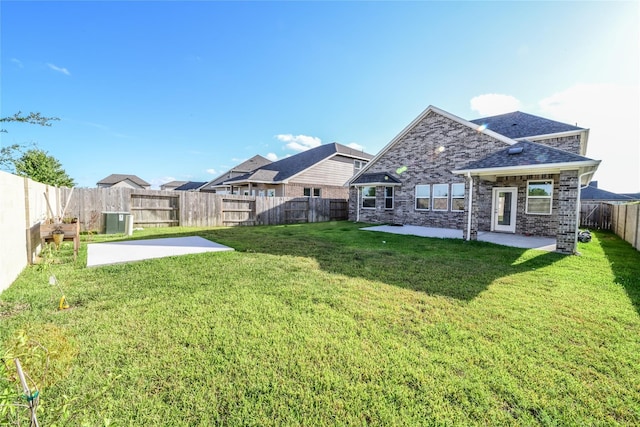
(505, 239)
(415, 230)
(137, 250)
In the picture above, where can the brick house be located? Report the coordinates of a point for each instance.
(512, 173)
(321, 171)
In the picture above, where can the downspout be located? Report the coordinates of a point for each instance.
(357, 204)
(470, 205)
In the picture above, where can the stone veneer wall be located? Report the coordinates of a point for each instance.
(427, 154)
(566, 143)
(567, 206)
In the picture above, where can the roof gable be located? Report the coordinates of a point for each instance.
(430, 110)
(521, 125)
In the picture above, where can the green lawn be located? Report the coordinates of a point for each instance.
(324, 324)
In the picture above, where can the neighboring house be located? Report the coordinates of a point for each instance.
(512, 173)
(593, 194)
(126, 181)
(172, 185)
(217, 185)
(322, 171)
(190, 186)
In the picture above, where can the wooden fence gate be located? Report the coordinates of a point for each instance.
(595, 216)
(338, 210)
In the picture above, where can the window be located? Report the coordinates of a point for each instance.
(539, 195)
(271, 192)
(309, 191)
(357, 165)
(369, 197)
(388, 197)
(261, 193)
(457, 197)
(423, 197)
(440, 197)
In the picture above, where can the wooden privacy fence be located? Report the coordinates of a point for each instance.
(595, 216)
(154, 208)
(625, 222)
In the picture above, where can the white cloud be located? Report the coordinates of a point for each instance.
(355, 146)
(212, 171)
(610, 112)
(272, 156)
(59, 69)
(491, 104)
(17, 62)
(299, 142)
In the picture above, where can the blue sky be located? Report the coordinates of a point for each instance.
(186, 90)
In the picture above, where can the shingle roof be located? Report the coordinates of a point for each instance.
(256, 162)
(290, 166)
(376, 178)
(116, 178)
(592, 192)
(521, 125)
(532, 154)
(174, 184)
(191, 185)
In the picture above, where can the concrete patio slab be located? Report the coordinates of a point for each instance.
(505, 239)
(137, 250)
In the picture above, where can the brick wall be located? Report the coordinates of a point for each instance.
(326, 191)
(566, 143)
(426, 155)
(567, 208)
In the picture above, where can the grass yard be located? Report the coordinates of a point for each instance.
(324, 324)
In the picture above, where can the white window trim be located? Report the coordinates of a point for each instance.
(363, 197)
(433, 198)
(415, 199)
(452, 198)
(393, 196)
(550, 181)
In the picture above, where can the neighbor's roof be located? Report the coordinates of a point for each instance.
(520, 125)
(247, 166)
(525, 153)
(191, 185)
(379, 178)
(116, 178)
(290, 166)
(593, 193)
(174, 184)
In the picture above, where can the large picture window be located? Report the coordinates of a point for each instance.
(440, 197)
(457, 197)
(539, 197)
(388, 197)
(423, 197)
(369, 197)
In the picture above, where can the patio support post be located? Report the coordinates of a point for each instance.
(470, 208)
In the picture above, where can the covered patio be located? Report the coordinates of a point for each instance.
(506, 239)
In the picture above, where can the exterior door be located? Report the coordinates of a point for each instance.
(503, 215)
